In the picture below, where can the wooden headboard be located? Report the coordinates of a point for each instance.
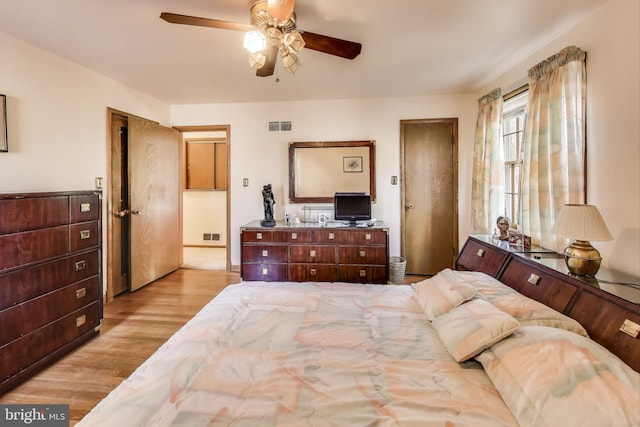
(609, 319)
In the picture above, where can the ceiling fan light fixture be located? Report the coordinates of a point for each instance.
(254, 41)
(257, 60)
(290, 62)
(293, 41)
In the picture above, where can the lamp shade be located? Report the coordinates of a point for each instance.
(581, 222)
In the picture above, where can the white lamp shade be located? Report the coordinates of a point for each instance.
(581, 222)
(254, 41)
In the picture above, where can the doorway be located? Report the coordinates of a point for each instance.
(429, 195)
(143, 200)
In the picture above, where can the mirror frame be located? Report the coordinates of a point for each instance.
(295, 146)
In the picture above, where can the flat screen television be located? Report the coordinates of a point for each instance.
(352, 207)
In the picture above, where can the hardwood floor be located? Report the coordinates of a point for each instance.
(134, 326)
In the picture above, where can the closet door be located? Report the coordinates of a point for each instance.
(154, 180)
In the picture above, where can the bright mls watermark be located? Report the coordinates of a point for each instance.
(34, 415)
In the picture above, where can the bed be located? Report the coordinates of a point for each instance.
(460, 348)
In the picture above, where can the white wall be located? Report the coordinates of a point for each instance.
(611, 38)
(57, 115)
(262, 156)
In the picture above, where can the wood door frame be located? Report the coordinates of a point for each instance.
(454, 122)
(209, 128)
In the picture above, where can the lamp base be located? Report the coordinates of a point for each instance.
(582, 259)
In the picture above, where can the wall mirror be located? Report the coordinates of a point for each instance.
(318, 170)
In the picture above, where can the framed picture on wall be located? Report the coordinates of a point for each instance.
(4, 143)
(352, 164)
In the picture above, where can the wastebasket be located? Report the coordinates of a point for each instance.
(397, 265)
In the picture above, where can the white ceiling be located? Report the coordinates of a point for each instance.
(409, 47)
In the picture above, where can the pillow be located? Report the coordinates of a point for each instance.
(552, 377)
(526, 310)
(442, 292)
(472, 327)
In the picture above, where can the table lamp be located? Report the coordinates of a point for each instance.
(581, 223)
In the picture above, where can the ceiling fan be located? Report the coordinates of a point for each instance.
(273, 30)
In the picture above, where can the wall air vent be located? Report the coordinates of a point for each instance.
(279, 126)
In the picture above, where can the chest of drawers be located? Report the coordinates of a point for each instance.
(50, 278)
(320, 254)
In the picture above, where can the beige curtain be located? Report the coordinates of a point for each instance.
(487, 190)
(554, 142)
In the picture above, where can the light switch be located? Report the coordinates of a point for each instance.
(245, 182)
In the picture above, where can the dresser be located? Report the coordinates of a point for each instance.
(608, 305)
(50, 278)
(301, 253)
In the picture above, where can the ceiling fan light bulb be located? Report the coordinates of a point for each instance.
(254, 41)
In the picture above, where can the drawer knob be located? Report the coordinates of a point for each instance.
(85, 207)
(264, 271)
(363, 273)
(480, 252)
(362, 254)
(81, 265)
(81, 320)
(630, 327)
(85, 234)
(312, 254)
(265, 252)
(332, 236)
(80, 293)
(294, 236)
(533, 279)
(367, 236)
(313, 272)
(258, 236)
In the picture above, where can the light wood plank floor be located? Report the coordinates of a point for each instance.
(135, 325)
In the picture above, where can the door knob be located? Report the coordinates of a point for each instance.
(135, 212)
(122, 213)
(409, 206)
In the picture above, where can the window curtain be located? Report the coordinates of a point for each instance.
(554, 142)
(487, 190)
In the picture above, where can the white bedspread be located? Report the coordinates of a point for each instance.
(305, 354)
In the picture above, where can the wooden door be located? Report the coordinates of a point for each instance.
(429, 228)
(119, 221)
(154, 193)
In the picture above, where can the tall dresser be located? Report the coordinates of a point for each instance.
(50, 278)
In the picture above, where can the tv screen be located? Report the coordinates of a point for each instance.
(352, 207)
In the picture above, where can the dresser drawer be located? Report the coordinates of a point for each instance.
(362, 237)
(84, 235)
(266, 272)
(296, 236)
(270, 236)
(32, 246)
(33, 213)
(25, 284)
(312, 254)
(529, 280)
(362, 273)
(313, 273)
(24, 318)
(25, 351)
(84, 208)
(324, 236)
(265, 253)
(478, 257)
(362, 255)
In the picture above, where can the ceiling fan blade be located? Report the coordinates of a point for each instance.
(204, 22)
(331, 45)
(280, 9)
(270, 63)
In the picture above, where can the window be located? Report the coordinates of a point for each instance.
(513, 119)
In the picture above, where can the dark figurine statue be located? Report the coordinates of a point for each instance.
(269, 201)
